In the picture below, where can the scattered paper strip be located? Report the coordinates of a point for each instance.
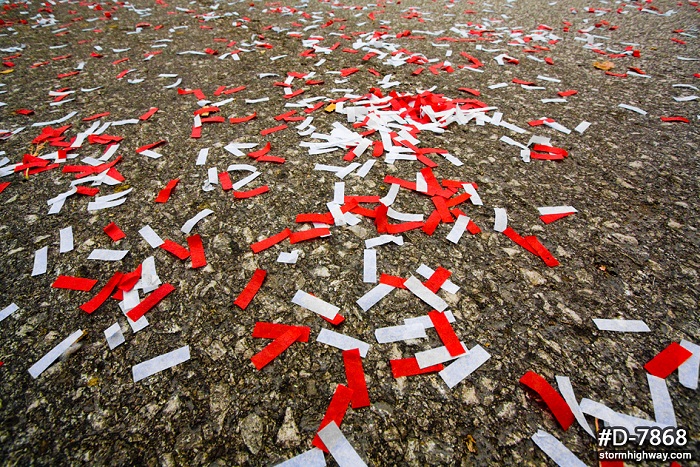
(339, 447)
(455, 372)
(160, 363)
(47, 360)
(556, 451)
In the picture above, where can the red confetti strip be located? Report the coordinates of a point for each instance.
(356, 378)
(24, 111)
(393, 281)
(129, 280)
(243, 119)
(257, 247)
(194, 242)
(409, 367)
(668, 360)
(441, 207)
(263, 330)
(296, 237)
(164, 194)
(149, 302)
(4, 185)
(267, 131)
(471, 91)
(446, 333)
(102, 295)
(114, 232)
(95, 116)
(513, 235)
(335, 412)
(437, 279)
(87, 191)
(275, 348)
(152, 145)
(250, 193)
(561, 410)
(148, 114)
(570, 92)
(247, 295)
(260, 152)
(542, 252)
(675, 119)
(549, 218)
(472, 228)
(225, 181)
(74, 283)
(176, 249)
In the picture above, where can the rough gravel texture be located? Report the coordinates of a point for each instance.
(632, 250)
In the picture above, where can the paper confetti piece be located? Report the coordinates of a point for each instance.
(567, 392)
(264, 330)
(189, 225)
(103, 294)
(661, 399)
(149, 302)
(315, 304)
(461, 368)
(312, 458)
(409, 367)
(74, 283)
(276, 347)
(47, 360)
(151, 237)
(425, 294)
(66, 240)
(399, 333)
(8, 310)
(335, 412)
(160, 363)
(666, 361)
(114, 336)
(164, 194)
(373, 296)
(356, 378)
(40, 261)
(556, 403)
(251, 289)
(621, 325)
(196, 251)
(612, 418)
(687, 372)
(556, 451)
(339, 447)
(550, 214)
(114, 232)
(436, 355)
(342, 341)
(369, 263)
(100, 254)
(175, 249)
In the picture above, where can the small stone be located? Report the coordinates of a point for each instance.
(627, 239)
(288, 434)
(251, 429)
(534, 277)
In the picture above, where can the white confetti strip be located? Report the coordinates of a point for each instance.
(425, 294)
(556, 451)
(547, 210)
(661, 399)
(339, 193)
(567, 391)
(315, 304)
(399, 333)
(107, 255)
(383, 240)
(633, 109)
(581, 127)
(311, 458)
(41, 258)
(39, 367)
(459, 227)
(189, 225)
(426, 322)
(8, 310)
(151, 236)
(202, 156)
(369, 265)
(342, 341)
(373, 296)
(612, 418)
(149, 277)
(160, 363)
(339, 447)
(437, 355)
(390, 197)
(688, 371)
(501, 219)
(114, 336)
(621, 325)
(474, 198)
(454, 373)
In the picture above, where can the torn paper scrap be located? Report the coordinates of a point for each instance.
(501, 220)
(454, 373)
(114, 336)
(40, 261)
(621, 325)
(314, 457)
(8, 310)
(288, 258)
(189, 225)
(688, 371)
(39, 367)
(151, 237)
(339, 447)
(342, 342)
(661, 399)
(316, 305)
(559, 453)
(612, 418)
(160, 363)
(425, 294)
(66, 240)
